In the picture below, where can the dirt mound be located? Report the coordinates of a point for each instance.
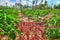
(31, 31)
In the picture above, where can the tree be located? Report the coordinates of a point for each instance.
(20, 4)
(36, 1)
(57, 6)
(45, 5)
(42, 6)
(42, 1)
(25, 6)
(33, 2)
(6, 4)
(27, 3)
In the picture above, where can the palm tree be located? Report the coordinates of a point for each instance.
(42, 1)
(33, 2)
(6, 4)
(27, 3)
(36, 1)
(20, 4)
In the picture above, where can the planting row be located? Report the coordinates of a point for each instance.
(8, 23)
(36, 14)
(35, 31)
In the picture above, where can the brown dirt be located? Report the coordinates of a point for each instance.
(27, 27)
(26, 19)
(23, 17)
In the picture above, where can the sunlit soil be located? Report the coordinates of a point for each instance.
(31, 31)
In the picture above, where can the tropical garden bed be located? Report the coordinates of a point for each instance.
(16, 25)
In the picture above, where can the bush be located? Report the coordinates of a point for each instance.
(53, 33)
(8, 21)
(34, 14)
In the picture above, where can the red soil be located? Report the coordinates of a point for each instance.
(31, 31)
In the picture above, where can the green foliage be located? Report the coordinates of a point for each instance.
(12, 35)
(8, 21)
(53, 33)
(54, 21)
(34, 13)
(55, 11)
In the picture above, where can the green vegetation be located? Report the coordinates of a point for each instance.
(43, 14)
(52, 23)
(53, 33)
(35, 14)
(55, 11)
(8, 22)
